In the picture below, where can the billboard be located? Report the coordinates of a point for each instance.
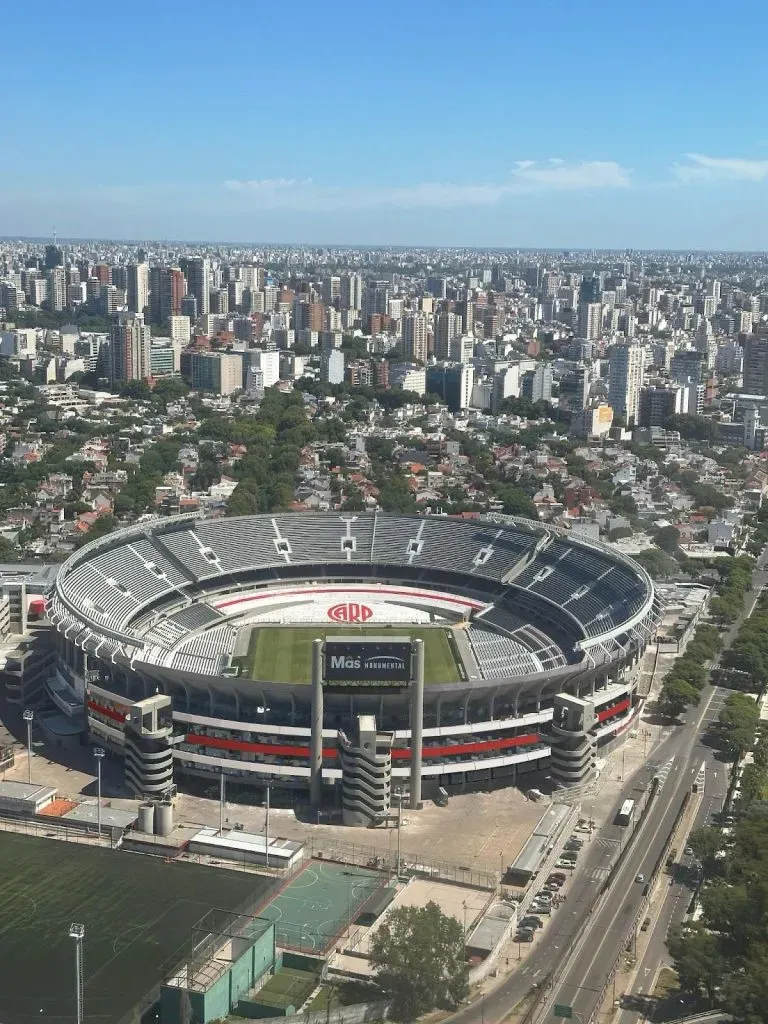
(367, 660)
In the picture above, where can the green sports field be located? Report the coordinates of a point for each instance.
(139, 913)
(283, 654)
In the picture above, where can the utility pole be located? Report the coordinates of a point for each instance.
(77, 932)
(98, 753)
(28, 717)
(221, 804)
(266, 828)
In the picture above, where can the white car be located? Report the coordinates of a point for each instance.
(640, 878)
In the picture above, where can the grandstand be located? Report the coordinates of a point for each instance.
(170, 605)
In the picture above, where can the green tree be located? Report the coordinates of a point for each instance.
(698, 962)
(738, 722)
(418, 959)
(668, 539)
(676, 695)
(705, 842)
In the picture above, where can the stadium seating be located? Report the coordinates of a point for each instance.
(546, 590)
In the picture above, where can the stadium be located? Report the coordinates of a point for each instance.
(195, 636)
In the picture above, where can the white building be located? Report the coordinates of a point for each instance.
(625, 378)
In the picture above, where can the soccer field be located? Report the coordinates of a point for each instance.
(138, 912)
(284, 653)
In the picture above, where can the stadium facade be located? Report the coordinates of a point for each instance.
(154, 623)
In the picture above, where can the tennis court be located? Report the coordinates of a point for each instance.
(321, 902)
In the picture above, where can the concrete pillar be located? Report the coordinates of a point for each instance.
(316, 740)
(417, 722)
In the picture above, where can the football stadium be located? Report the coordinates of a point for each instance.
(194, 646)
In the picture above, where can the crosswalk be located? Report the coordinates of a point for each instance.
(664, 771)
(608, 843)
(598, 874)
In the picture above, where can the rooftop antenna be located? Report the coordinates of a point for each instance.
(54, 234)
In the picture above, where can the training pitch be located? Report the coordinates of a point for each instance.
(138, 914)
(322, 902)
(284, 653)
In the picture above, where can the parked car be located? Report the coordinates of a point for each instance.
(524, 935)
(541, 908)
(558, 876)
(645, 925)
(544, 894)
(576, 841)
(566, 864)
(532, 922)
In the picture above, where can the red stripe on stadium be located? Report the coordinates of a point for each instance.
(116, 716)
(615, 710)
(398, 754)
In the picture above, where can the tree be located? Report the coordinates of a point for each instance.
(668, 539)
(705, 842)
(738, 722)
(698, 962)
(418, 957)
(676, 695)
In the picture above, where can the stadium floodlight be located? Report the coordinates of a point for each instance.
(98, 753)
(77, 932)
(28, 717)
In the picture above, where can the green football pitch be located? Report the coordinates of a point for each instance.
(283, 654)
(138, 913)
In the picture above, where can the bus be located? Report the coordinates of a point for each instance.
(626, 813)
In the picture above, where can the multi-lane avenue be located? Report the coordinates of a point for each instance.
(601, 923)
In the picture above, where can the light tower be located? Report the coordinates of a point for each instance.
(77, 932)
(28, 717)
(98, 753)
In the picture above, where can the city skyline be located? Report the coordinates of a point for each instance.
(528, 129)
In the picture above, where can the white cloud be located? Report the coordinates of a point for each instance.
(702, 168)
(526, 177)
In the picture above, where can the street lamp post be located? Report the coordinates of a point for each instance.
(98, 753)
(77, 932)
(28, 717)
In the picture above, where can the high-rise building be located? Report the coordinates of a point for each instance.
(415, 337)
(54, 257)
(447, 327)
(590, 320)
(589, 290)
(167, 288)
(332, 366)
(688, 365)
(536, 385)
(130, 356)
(179, 329)
(137, 287)
(350, 291)
(218, 372)
(198, 272)
(268, 363)
(625, 378)
(436, 286)
(57, 289)
(375, 299)
(756, 364)
(453, 382)
(219, 300)
(657, 405)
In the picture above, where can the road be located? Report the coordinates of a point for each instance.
(602, 930)
(678, 895)
(677, 890)
(581, 982)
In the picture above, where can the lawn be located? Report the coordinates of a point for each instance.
(139, 913)
(283, 654)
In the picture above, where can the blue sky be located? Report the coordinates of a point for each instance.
(557, 123)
